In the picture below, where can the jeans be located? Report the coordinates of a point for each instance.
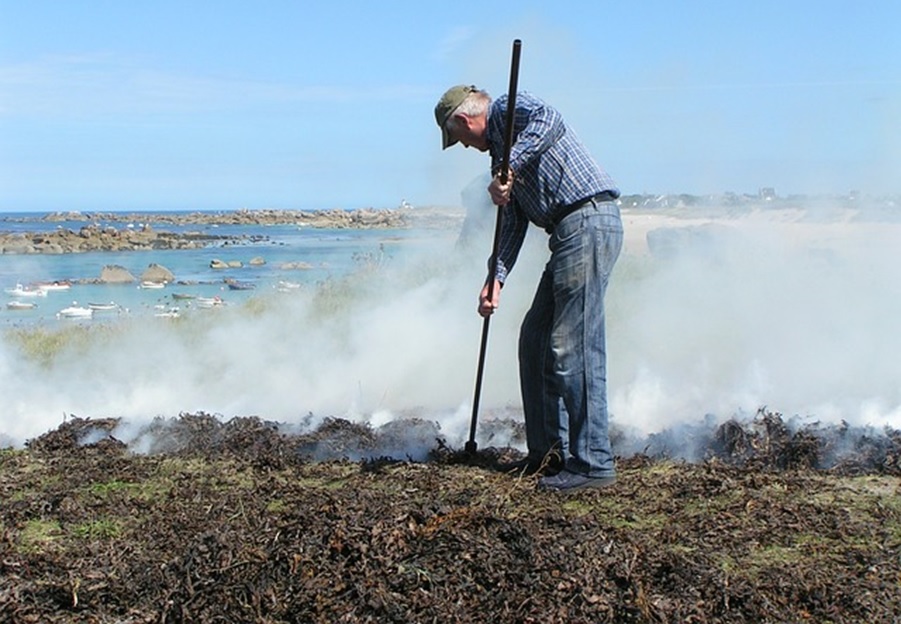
(562, 344)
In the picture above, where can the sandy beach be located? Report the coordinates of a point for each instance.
(795, 226)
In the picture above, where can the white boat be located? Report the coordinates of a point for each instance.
(286, 286)
(104, 307)
(209, 302)
(152, 285)
(21, 305)
(50, 286)
(166, 312)
(22, 291)
(75, 311)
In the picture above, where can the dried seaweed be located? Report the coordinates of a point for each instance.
(233, 521)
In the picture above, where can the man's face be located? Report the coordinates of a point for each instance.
(470, 131)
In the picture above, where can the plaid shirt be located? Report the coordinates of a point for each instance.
(551, 167)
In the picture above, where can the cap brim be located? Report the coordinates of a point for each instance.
(446, 140)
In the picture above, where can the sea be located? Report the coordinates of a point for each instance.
(287, 257)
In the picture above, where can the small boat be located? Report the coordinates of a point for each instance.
(49, 286)
(209, 302)
(286, 286)
(234, 285)
(21, 305)
(152, 285)
(22, 291)
(183, 296)
(75, 311)
(166, 313)
(104, 307)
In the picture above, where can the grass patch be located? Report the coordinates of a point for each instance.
(43, 345)
(39, 536)
(98, 529)
(277, 506)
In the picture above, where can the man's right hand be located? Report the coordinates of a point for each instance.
(500, 191)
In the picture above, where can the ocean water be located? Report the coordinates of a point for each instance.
(324, 254)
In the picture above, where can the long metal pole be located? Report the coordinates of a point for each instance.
(471, 446)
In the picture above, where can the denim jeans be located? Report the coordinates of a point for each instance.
(562, 343)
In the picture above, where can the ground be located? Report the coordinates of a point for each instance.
(234, 522)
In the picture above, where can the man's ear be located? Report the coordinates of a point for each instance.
(463, 120)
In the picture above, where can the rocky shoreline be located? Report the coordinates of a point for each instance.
(95, 237)
(332, 218)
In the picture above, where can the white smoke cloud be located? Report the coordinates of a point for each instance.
(798, 316)
(774, 309)
(402, 339)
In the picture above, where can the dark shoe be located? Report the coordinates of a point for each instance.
(566, 481)
(550, 465)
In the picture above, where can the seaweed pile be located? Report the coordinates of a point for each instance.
(244, 521)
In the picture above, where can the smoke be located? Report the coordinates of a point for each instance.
(395, 339)
(709, 318)
(752, 311)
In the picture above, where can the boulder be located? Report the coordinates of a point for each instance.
(216, 263)
(115, 274)
(157, 273)
(16, 244)
(257, 261)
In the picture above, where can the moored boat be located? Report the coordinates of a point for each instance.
(286, 286)
(21, 305)
(75, 311)
(164, 312)
(22, 291)
(50, 286)
(209, 302)
(235, 285)
(104, 307)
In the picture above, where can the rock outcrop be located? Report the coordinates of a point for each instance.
(98, 235)
(116, 274)
(157, 273)
(95, 238)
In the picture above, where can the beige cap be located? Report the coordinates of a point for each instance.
(446, 106)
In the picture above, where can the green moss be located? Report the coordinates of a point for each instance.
(774, 556)
(277, 506)
(98, 529)
(39, 535)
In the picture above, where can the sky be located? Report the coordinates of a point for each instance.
(190, 105)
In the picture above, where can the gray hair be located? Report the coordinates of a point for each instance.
(475, 104)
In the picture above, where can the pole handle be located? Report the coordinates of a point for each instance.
(505, 157)
(471, 446)
(511, 108)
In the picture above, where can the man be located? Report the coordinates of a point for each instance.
(554, 183)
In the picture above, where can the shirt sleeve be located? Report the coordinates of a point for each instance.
(537, 127)
(513, 233)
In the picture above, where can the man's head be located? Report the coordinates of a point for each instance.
(462, 115)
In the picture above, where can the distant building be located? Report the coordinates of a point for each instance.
(767, 193)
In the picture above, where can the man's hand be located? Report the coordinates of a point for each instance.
(500, 191)
(486, 307)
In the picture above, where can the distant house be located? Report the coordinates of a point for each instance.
(767, 193)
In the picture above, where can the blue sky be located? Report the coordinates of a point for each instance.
(138, 105)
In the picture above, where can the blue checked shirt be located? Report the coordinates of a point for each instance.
(551, 170)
